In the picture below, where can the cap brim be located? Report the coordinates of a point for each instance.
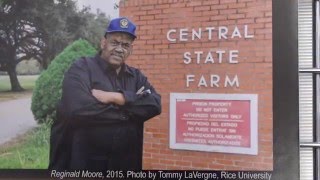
(134, 36)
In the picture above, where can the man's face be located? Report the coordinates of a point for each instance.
(116, 47)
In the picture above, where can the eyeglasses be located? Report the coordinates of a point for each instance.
(115, 43)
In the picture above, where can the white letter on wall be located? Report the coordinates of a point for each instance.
(196, 34)
(190, 78)
(233, 54)
(209, 58)
(214, 80)
(236, 32)
(220, 54)
(231, 83)
(202, 82)
(198, 53)
(210, 29)
(246, 35)
(168, 35)
(183, 34)
(223, 31)
(187, 58)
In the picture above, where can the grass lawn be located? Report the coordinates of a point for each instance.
(27, 82)
(30, 151)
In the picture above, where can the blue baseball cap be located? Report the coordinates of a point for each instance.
(122, 24)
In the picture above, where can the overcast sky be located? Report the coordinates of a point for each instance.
(106, 6)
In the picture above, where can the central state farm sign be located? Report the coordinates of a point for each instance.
(214, 122)
(219, 56)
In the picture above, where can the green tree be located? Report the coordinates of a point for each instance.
(67, 25)
(48, 86)
(18, 37)
(41, 29)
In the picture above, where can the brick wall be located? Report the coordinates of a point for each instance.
(162, 61)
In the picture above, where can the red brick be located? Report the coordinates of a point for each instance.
(202, 8)
(221, 6)
(200, 164)
(210, 2)
(162, 6)
(236, 16)
(264, 20)
(217, 167)
(218, 17)
(140, 12)
(229, 1)
(245, 21)
(223, 161)
(194, 3)
(148, 7)
(236, 5)
(154, 22)
(254, 14)
(227, 11)
(177, 5)
(183, 163)
(147, 17)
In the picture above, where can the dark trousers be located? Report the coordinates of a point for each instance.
(103, 148)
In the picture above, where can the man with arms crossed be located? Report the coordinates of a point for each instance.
(103, 107)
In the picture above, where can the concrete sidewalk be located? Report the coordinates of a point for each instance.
(16, 118)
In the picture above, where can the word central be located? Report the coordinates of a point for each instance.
(221, 32)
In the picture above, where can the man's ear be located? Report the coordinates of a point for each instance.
(103, 43)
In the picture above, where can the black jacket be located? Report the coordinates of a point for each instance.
(95, 136)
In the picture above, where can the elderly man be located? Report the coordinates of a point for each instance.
(103, 107)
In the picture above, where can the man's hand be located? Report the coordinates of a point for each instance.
(108, 97)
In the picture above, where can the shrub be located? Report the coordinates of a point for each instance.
(48, 87)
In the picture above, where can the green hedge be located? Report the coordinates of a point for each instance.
(47, 91)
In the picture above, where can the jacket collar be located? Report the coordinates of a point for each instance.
(107, 68)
